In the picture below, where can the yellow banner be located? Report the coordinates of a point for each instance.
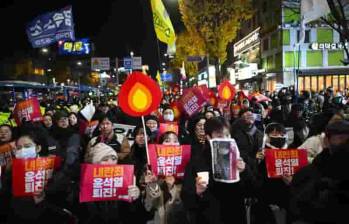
(162, 23)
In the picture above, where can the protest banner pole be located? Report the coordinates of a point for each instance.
(145, 139)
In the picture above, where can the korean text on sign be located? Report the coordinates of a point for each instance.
(168, 160)
(31, 175)
(284, 162)
(192, 101)
(105, 182)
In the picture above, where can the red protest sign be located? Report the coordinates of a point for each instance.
(175, 107)
(213, 101)
(281, 162)
(30, 176)
(192, 101)
(169, 160)
(6, 151)
(165, 127)
(28, 109)
(105, 182)
(204, 91)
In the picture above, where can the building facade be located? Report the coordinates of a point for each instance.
(312, 65)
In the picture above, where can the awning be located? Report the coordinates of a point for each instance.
(330, 71)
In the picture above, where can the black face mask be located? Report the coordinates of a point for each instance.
(277, 142)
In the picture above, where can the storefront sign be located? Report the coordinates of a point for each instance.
(328, 46)
(77, 47)
(247, 42)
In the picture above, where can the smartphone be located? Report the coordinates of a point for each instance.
(257, 117)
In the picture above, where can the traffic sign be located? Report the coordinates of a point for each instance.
(137, 63)
(195, 58)
(165, 77)
(128, 63)
(100, 63)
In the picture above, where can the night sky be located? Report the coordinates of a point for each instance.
(116, 27)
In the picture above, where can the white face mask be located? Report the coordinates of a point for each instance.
(26, 153)
(153, 129)
(169, 117)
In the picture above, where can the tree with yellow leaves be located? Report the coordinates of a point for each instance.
(215, 22)
(187, 44)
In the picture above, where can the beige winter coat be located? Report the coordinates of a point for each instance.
(154, 199)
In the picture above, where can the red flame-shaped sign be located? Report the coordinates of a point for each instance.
(139, 95)
(226, 91)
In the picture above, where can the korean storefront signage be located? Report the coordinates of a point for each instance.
(249, 41)
(328, 46)
(77, 47)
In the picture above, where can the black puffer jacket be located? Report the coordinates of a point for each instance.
(320, 192)
(249, 140)
(212, 207)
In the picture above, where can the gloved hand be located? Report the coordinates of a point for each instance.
(133, 192)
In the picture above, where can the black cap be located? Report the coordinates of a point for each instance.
(338, 128)
(59, 114)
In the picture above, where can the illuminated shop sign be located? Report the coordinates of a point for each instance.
(328, 46)
(249, 41)
(77, 47)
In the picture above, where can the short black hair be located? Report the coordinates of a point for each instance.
(138, 128)
(242, 111)
(193, 121)
(337, 128)
(212, 125)
(106, 116)
(275, 127)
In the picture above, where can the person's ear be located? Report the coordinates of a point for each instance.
(38, 148)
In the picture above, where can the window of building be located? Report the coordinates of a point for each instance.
(291, 59)
(285, 37)
(270, 62)
(274, 40)
(291, 15)
(300, 84)
(307, 83)
(324, 36)
(314, 58)
(341, 82)
(328, 81)
(265, 6)
(266, 44)
(335, 57)
(321, 83)
(314, 85)
(335, 83)
(307, 36)
(278, 61)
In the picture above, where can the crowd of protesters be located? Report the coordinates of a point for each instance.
(318, 193)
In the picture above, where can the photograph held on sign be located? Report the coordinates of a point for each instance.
(225, 155)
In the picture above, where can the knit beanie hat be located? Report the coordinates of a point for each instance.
(60, 114)
(101, 150)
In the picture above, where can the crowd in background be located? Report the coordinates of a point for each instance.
(318, 193)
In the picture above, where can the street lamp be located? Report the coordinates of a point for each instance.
(79, 63)
(44, 50)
